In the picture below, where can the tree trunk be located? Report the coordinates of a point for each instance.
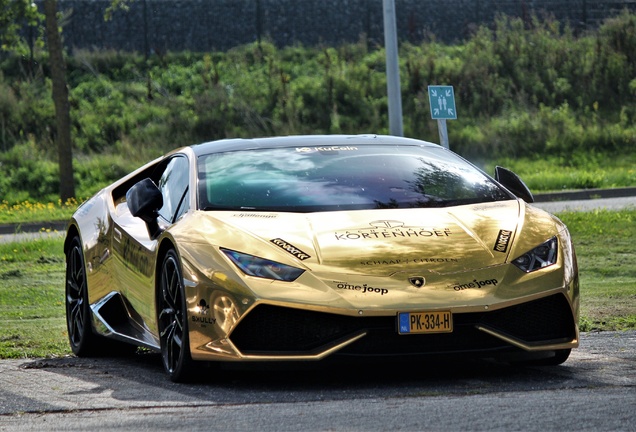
(60, 99)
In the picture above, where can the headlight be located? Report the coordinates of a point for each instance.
(539, 257)
(263, 268)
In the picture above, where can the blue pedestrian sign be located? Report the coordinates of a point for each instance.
(442, 102)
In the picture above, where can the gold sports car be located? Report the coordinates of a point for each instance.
(319, 247)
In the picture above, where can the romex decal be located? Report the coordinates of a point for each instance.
(503, 239)
(288, 247)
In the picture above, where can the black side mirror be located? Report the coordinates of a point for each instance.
(513, 183)
(144, 201)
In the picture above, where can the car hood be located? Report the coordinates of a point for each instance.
(377, 242)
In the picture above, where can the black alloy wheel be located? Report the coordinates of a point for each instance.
(78, 318)
(172, 320)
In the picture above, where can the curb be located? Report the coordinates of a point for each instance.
(32, 227)
(586, 194)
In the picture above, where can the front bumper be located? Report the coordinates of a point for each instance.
(273, 332)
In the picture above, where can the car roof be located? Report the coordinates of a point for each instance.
(304, 141)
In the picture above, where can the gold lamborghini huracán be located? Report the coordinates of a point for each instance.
(313, 247)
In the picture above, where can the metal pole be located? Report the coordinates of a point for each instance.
(392, 69)
(443, 132)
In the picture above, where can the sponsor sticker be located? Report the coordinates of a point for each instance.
(503, 239)
(474, 284)
(201, 318)
(288, 247)
(391, 229)
(403, 261)
(325, 149)
(364, 288)
(255, 215)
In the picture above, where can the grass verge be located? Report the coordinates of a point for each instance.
(32, 315)
(32, 322)
(27, 211)
(604, 242)
(587, 171)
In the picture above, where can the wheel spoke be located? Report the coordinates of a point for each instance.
(75, 319)
(169, 348)
(166, 287)
(166, 314)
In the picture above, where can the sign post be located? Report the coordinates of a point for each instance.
(392, 69)
(442, 102)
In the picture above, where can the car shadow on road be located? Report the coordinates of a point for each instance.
(141, 378)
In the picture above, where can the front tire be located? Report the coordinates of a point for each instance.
(172, 320)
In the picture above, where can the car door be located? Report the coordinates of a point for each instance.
(136, 249)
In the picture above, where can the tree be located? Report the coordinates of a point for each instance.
(60, 100)
(14, 16)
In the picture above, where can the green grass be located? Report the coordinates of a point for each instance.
(32, 322)
(578, 172)
(604, 242)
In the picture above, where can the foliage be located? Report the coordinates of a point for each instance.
(527, 92)
(28, 173)
(14, 16)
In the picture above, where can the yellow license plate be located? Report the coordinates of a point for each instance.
(425, 322)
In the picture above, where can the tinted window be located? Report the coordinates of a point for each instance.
(174, 185)
(341, 178)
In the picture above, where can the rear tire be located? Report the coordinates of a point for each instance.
(83, 340)
(78, 315)
(172, 321)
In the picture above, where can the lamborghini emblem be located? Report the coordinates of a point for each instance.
(417, 281)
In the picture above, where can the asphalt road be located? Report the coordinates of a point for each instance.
(594, 390)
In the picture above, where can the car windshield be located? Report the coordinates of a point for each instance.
(311, 179)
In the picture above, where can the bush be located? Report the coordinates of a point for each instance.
(523, 89)
(26, 176)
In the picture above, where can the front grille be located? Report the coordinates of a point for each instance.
(279, 330)
(549, 318)
(285, 330)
